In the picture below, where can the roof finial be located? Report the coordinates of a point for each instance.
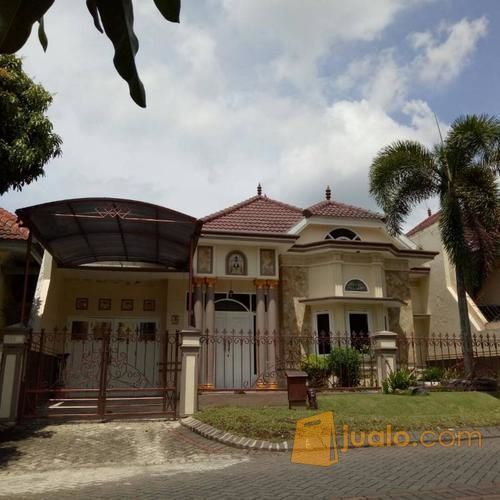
(259, 190)
(429, 212)
(328, 193)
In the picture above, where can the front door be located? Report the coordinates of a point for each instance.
(234, 353)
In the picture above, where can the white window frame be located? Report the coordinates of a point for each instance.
(356, 291)
(331, 325)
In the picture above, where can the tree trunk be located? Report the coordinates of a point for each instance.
(465, 330)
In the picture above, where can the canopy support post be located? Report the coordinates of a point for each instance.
(190, 293)
(26, 275)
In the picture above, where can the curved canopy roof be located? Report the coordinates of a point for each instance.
(90, 230)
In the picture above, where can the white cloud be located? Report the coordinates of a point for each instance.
(234, 98)
(444, 59)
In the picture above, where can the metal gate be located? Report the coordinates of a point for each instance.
(103, 374)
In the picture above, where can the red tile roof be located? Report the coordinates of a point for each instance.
(9, 228)
(429, 221)
(330, 208)
(258, 214)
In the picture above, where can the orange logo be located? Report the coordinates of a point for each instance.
(315, 441)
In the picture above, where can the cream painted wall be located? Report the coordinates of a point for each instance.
(329, 278)
(442, 299)
(339, 313)
(116, 290)
(318, 232)
(419, 289)
(490, 292)
(252, 254)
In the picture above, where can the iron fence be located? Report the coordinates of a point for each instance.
(100, 373)
(245, 360)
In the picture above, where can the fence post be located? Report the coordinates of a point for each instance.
(385, 352)
(11, 371)
(190, 348)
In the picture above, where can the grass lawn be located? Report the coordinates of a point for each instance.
(362, 412)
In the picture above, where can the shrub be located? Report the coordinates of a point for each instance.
(432, 374)
(399, 380)
(317, 370)
(345, 364)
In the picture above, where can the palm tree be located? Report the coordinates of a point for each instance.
(462, 171)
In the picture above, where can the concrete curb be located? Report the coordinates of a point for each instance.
(229, 439)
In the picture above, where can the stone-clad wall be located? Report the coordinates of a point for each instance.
(400, 320)
(295, 318)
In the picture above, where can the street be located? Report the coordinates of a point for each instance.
(164, 460)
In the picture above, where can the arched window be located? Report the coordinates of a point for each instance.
(236, 263)
(355, 285)
(342, 234)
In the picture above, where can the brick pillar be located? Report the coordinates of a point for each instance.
(272, 323)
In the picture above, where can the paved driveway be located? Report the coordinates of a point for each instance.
(163, 460)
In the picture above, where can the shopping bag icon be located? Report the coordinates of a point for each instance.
(315, 441)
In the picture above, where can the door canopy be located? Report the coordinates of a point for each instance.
(110, 230)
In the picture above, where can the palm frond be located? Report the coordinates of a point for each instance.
(402, 175)
(474, 139)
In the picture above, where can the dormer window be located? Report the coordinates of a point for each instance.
(355, 285)
(342, 234)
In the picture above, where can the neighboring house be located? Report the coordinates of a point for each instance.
(261, 268)
(13, 242)
(441, 304)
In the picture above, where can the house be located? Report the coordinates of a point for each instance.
(13, 247)
(441, 303)
(265, 274)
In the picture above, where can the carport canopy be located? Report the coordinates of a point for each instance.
(112, 230)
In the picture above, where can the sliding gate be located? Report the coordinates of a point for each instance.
(104, 374)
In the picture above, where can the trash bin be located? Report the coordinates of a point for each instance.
(297, 387)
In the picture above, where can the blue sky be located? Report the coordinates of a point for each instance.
(295, 95)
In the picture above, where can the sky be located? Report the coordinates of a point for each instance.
(295, 95)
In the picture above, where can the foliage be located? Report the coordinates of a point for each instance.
(27, 141)
(114, 17)
(345, 364)
(461, 171)
(399, 380)
(361, 412)
(432, 374)
(317, 369)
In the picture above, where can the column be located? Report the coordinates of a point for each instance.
(190, 349)
(260, 322)
(198, 321)
(198, 302)
(272, 322)
(209, 332)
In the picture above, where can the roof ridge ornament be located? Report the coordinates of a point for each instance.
(328, 193)
(259, 189)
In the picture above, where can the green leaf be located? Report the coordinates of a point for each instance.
(16, 20)
(42, 36)
(92, 6)
(117, 18)
(170, 9)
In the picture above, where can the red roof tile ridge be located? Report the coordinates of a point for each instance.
(427, 222)
(244, 203)
(10, 228)
(339, 204)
